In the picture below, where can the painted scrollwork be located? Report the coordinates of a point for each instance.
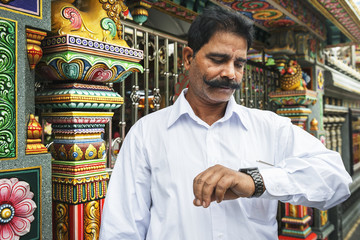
(92, 220)
(62, 220)
(7, 89)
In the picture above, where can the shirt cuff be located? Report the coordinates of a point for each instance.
(275, 180)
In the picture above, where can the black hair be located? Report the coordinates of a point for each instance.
(215, 19)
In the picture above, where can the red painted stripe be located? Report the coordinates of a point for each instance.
(81, 221)
(101, 203)
(72, 222)
(76, 219)
(301, 211)
(287, 211)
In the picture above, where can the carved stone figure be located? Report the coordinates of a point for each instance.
(98, 19)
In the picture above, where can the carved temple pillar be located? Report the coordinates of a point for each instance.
(79, 66)
(298, 103)
(294, 99)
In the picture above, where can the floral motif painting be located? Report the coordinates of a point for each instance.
(20, 204)
(16, 208)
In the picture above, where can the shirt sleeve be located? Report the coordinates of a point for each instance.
(306, 172)
(126, 213)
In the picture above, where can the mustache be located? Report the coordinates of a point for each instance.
(222, 83)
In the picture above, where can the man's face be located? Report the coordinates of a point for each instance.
(217, 68)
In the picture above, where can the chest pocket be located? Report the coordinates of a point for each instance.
(259, 210)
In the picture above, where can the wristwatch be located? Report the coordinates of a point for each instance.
(257, 178)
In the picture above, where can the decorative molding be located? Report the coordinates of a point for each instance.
(82, 168)
(175, 10)
(68, 151)
(302, 97)
(302, 15)
(90, 46)
(341, 15)
(273, 14)
(76, 190)
(79, 96)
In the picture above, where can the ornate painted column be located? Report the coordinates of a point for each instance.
(79, 114)
(294, 99)
(83, 56)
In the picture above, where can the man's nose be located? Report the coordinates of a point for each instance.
(228, 71)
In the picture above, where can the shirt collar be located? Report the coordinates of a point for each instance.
(182, 106)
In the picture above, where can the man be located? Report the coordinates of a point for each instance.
(177, 175)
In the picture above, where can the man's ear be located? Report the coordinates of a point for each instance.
(188, 57)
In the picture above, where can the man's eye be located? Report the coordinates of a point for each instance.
(239, 65)
(217, 60)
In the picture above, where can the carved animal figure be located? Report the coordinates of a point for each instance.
(98, 19)
(291, 76)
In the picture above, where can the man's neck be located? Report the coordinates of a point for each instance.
(206, 112)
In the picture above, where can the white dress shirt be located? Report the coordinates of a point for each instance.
(150, 194)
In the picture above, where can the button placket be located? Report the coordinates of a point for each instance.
(210, 147)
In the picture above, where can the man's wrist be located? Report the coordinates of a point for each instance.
(257, 178)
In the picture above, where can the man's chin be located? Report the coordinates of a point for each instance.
(222, 96)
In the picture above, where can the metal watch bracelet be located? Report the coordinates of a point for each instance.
(257, 178)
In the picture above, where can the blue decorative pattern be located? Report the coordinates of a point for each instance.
(76, 41)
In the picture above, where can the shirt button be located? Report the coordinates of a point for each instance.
(220, 236)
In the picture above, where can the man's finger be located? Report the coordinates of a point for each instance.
(209, 187)
(222, 187)
(204, 185)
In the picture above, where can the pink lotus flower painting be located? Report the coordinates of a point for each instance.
(16, 208)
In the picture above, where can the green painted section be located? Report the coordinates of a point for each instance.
(8, 148)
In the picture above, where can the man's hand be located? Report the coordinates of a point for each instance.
(220, 183)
